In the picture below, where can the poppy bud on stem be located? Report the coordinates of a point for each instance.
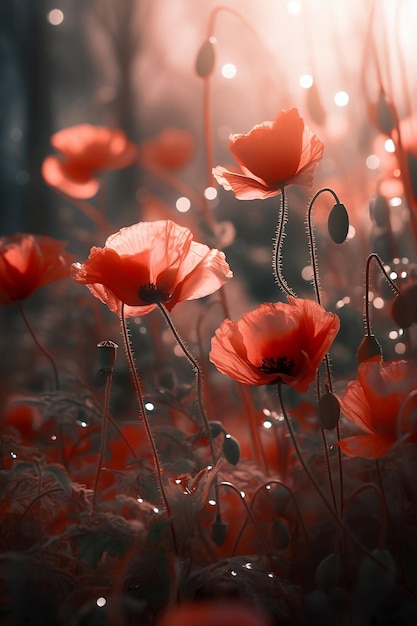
(316, 282)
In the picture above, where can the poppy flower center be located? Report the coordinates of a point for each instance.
(152, 295)
(277, 365)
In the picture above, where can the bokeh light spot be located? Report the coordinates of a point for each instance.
(55, 17)
(210, 193)
(183, 204)
(305, 81)
(294, 7)
(341, 98)
(372, 162)
(229, 70)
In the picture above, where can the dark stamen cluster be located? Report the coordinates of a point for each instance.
(277, 365)
(152, 295)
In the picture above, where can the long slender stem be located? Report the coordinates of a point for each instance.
(40, 346)
(333, 514)
(279, 240)
(374, 257)
(143, 413)
(199, 381)
(103, 438)
(316, 283)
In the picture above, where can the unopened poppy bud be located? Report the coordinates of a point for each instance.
(216, 428)
(280, 535)
(369, 349)
(412, 172)
(107, 351)
(328, 411)
(231, 449)
(328, 572)
(205, 59)
(385, 114)
(338, 223)
(219, 532)
(379, 211)
(404, 308)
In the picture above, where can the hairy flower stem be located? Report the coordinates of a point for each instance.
(199, 382)
(144, 417)
(279, 240)
(40, 346)
(109, 376)
(316, 283)
(374, 257)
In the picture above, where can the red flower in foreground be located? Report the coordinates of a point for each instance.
(377, 403)
(209, 613)
(28, 262)
(275, 342)
(85, 151)
(271, 156)
(150, 263)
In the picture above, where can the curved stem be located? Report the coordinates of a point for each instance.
(143, 413)
(333, 514)
(40, 346)
(254, 496)
(199, 381)
(253, 520)
(279, 239)
(103, 438)
(375, 257)
(316, 283)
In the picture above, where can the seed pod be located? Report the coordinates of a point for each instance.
(280, 535)
(369, 349)
(219, 532)
(328, 411)
(379, 211)
(205, 59)
(385, 115)
(328, 572)
(404, 308)
(338, 223)
(107, 351)
(231, 449)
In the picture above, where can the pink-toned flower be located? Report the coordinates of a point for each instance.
(150, 263)
(377, 403)
(85, 151)
(209, 613)
(172, 148)
(276, 342)
(271, 156)
(28, 262)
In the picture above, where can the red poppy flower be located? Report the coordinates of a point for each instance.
(28, 262)
(271, 156)
(275, 342)
(377, 403)
(150, 263)
(172, 148)
(85, 151)
(207, 613)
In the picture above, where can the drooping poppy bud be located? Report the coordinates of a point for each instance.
(206, 58)
(338, 223)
